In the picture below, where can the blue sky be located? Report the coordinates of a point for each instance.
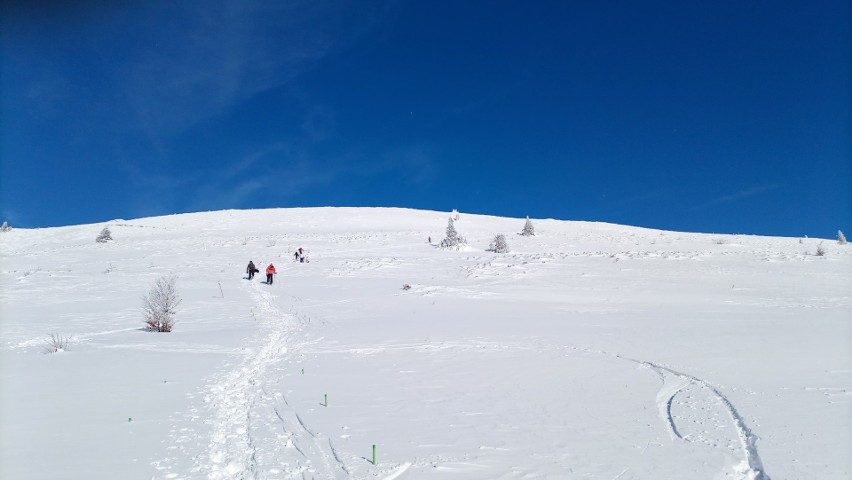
(723, 116)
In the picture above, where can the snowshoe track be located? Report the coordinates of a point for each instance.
(258, 435)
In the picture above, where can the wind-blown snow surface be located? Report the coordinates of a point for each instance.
(589, 351)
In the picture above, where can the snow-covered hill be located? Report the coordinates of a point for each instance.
(589, 351)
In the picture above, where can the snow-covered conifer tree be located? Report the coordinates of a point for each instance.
(453, 238)
(529, 230)
(5, 227)
(499, 245)
(841, 239)
(104, 236)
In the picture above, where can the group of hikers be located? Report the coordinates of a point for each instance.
(299, 256)
(270, 271)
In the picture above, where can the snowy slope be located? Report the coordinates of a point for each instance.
(589, 351)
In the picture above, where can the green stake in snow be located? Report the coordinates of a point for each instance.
(129, 419)
(374, 454)
(325, 403)
(303, 371)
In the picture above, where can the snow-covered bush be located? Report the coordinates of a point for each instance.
(841, 239)
(160, 305)
(5, 227)
(453, 238)
(820, 251)
(529, 230)
(56, 343)
(104, 236)
(499, 245)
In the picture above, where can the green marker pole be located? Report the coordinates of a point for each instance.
(326, 399)
(374, 454)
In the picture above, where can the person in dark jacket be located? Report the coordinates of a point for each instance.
(251, 269)
(270, 273)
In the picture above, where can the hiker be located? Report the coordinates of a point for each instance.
(430, 239)
(251, 269)
(296, 256)
(270, 272)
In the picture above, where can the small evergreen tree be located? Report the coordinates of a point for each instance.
(104, 236)
(841, 239)
(453, 238)
(499, 245)
(529, 230)
(5, 227)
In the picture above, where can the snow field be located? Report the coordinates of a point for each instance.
(588, 351)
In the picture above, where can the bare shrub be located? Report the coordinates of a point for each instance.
(406, 287)
(56, 343)
(820, 251)
(720, 241)
(160, 305)
(104, 236)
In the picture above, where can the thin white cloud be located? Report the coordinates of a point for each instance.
(224, 56)
(279, 170)
(741, 195)
(221, 54)
(215, 55)
(286, 170)
(414, 164)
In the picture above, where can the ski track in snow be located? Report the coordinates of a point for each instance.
(674, 383)
(701, 400)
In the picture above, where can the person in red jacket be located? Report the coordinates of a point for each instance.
(270, 273)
